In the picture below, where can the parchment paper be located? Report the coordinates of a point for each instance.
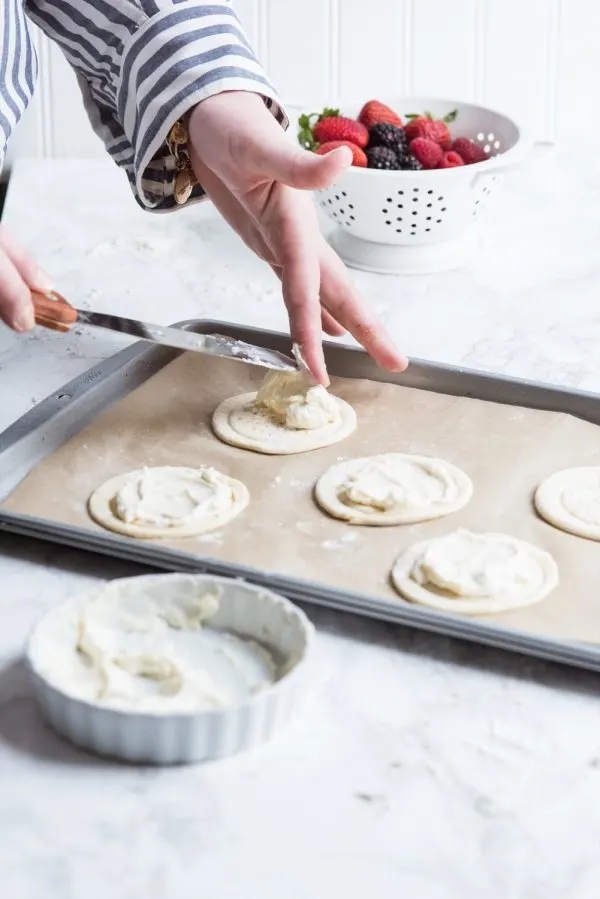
(506, 451)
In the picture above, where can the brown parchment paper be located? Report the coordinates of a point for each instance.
(506, 451)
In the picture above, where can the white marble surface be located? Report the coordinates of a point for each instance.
(422, 766)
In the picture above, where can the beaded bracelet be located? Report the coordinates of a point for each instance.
(185, 180)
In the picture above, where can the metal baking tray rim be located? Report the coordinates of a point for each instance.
(139, 362)
(491, 387)
(302, 590)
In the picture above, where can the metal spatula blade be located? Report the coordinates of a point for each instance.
(53, 311)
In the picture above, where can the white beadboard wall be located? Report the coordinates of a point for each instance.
(539, 59)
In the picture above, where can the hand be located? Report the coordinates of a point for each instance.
(18, 274)
(259, 181)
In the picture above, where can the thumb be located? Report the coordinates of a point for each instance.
(302, 169)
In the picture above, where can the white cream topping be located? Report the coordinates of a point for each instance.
(295, 402)
(151, 652)
(300, 360)
(474, 565)
(169, 496)
(581, 495)
(388, 482)
(392, 488)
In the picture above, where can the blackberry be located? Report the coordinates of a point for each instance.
(382, 158)
(408, 162)
(388, 136)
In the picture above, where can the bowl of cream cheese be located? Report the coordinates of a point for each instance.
(171, 668)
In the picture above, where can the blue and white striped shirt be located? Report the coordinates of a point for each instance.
(141, 64)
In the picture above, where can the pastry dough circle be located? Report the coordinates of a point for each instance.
(403, 489)
(478, 560)
(233, 499)
(279, 419)
(570, 500)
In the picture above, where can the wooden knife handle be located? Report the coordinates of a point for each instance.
(53, 311)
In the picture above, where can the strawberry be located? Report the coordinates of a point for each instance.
(306, 126)
(428, 152)
(450, 160)
(376, 113)
(330, 126)
(469, 150)
(432, 129)
(416, 128)
(340, 128)
(359, 158)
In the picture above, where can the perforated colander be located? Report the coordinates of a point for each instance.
(415, 222)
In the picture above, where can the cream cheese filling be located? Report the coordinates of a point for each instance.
(296, 403)
(168, 496)
(582, 498)
(478, 565)
(152, 652)
(388, 482)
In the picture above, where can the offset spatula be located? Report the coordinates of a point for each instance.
(53, 311)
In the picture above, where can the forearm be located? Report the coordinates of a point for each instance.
(142, 65)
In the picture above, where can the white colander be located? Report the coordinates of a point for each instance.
(415, 222)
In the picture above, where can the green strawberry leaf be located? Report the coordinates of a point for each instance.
(328, 113)
(306, 139)
(306, 123)
(451, 117)
(305, 131)
(420, 115)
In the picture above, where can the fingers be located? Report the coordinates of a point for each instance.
(16, 308)
(273, 154)
(344, 303)
(330, 325)
(18, 273)
(28, 269)
(301, 298)
(258, 167)
(298, 168)
(328, 322)
(296, 243)
(288, 241)
(238, 138)
(289, 245)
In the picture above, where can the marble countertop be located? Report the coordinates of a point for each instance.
(444, 770)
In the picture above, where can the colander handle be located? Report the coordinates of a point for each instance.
(544, 148)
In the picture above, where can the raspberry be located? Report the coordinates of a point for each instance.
(359, 158)
(433, 129)
(440, 133)
(427, 152)
(408, 162)
(469, 150)
(451, 160)
(382, 158)
(385, 135)
(374, 113)
(416, 128)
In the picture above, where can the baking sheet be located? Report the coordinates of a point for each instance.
(506, 450)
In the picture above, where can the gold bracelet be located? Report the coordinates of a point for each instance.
(185, 179)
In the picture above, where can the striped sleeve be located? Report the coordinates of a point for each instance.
(18, 69)
(141, 65)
